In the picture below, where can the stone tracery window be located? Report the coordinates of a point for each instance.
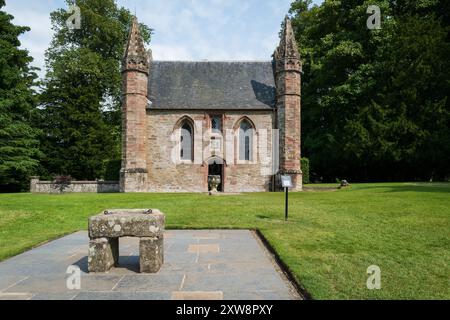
(216, 124)
(187, 142)
(245, 140)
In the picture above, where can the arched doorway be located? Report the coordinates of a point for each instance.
(216, 168)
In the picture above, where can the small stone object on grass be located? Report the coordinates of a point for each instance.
(344, 183)
(106, 228)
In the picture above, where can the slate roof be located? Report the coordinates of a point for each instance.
(233, 85)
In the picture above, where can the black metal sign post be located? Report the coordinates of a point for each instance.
(286, 207)
(286, 183)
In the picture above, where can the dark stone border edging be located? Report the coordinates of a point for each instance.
(284, 268)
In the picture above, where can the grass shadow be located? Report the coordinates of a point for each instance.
(419, 187)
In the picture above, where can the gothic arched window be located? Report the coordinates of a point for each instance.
(245, 140)
(187, 142)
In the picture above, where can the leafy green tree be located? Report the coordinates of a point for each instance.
(81, 98)
(19, 146)
(375, 102)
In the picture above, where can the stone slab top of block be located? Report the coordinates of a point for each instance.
(127, 223)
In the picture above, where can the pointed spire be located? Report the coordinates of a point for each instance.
(135, 57)
(287, 51)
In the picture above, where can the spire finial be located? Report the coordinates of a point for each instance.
(136, 57)
(287, 51)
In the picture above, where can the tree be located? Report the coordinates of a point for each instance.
(375, 102)
(19, 146)
(81, 97)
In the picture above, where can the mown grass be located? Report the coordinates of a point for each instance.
(328, 243)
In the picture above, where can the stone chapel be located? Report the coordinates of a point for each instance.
(186, 121)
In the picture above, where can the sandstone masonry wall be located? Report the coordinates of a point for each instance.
(37, 186)
(167, 173)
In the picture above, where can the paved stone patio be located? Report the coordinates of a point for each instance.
(198, 264)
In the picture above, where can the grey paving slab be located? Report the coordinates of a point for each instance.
(198, 263)
(57, 283)
(230, 256)
(54, 296)
(240, 267)
(255, 295)
(245, 281)
(122, 296)
(183, 268)
(7, 281)
(150, 283)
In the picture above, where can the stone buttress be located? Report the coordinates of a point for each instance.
(288, 80)
(135, 72)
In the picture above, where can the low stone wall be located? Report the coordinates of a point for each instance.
(37, 186)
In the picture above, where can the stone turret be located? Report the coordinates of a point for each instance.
(135, 72)
(288, 81)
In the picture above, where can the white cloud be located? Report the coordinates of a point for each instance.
(184, 29)
(214, 29)
(167, 52)
(37, 17)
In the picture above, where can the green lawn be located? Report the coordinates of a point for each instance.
(328, 243)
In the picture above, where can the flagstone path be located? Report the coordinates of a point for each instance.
(199, 264)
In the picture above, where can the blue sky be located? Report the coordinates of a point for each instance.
(184, 29)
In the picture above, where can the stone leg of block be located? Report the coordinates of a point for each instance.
(114, 242)
(151, 254)
(100, 257)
